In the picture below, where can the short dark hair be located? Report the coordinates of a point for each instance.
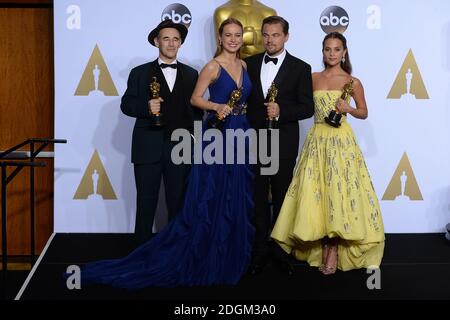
(276, 19)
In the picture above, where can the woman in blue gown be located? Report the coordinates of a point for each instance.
(210, 240)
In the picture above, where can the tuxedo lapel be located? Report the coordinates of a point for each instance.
(156, 72)
(283, 71)
(179, 80)
(257, 77)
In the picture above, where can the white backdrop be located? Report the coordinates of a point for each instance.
(407, 131)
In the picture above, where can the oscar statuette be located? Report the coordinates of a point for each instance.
(335, 116)
(272, 123)
(217, 121)
(250, 13)
(154, 89)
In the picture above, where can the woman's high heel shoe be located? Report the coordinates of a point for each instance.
(331, 266)
(325, 249)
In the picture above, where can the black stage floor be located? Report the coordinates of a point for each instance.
(415, 266)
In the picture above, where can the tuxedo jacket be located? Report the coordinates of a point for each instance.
(294, 84)
(148, 141)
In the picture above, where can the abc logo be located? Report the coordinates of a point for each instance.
(177, 13)
(334, 19)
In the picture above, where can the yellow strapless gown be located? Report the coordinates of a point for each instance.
(331, 194)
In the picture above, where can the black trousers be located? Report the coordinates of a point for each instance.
(263, 217)
(148, 181)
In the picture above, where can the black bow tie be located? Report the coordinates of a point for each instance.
(268, 59)
(165, 65)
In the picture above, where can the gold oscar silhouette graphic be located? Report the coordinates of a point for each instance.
(408, 84)
(251, 14)
(96, 79)
(335, 116)
(403, 185)
(95, 183)
(154, 89)
(217, 121)
(272, 123)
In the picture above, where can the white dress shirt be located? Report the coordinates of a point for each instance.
(170, 74)
(269, 71)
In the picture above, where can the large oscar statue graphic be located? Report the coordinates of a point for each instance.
(154, 89)
(217, 121)
(334, 118)
(251, 14)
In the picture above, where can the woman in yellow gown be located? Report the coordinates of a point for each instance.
(330, 216)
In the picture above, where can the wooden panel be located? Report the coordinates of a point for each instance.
(18, 208)
(26, 88)
(27, 111)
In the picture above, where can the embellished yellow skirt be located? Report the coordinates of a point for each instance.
(331, 195)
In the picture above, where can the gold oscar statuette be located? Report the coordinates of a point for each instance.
(272, 123)
(335, 116)
(250, 13)
(217, 121)
(155, 87)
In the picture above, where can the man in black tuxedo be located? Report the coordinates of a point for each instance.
(294, 102)
(151, 145)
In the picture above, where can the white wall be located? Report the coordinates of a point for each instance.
(379, 39)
